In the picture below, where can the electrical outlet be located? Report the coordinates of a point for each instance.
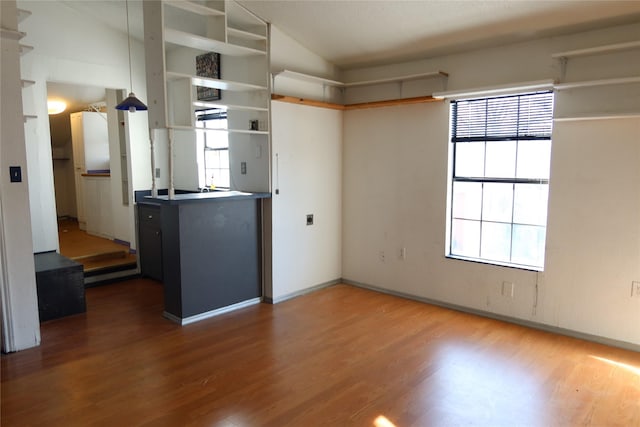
(381, 256)
(243, 168)
(403, 253)
(635, 289)
(157, 172)
(310, 219)
(507, 289)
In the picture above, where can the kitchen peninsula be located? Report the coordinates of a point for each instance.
(206, 248)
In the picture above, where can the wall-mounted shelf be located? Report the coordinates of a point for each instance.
(193, 7)
(597, 50)
(593, 83)
(215, 83)
(195, 41)
(29, 117)
(605, 116)
(238, 131)
(203, 104)
(320, 80)
(23, 14)
(24, 49)
(245, 34)
(27, 83)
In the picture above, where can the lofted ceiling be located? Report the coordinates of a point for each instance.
(359, 33)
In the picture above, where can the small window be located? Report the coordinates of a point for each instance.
(501, 150)
(214, 171)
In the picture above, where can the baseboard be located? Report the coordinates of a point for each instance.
(212, 313)
(291, 295)
(540, 326)
(109, 277)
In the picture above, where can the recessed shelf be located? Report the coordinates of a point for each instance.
(244, 34)
(215, 83)
(195, 41)
(203, 104)
(11, 34)
(593, 83)
(29, 117)
(27, 83)
(598, 49)
(198, 8)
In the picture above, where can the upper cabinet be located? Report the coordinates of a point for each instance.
(204, 55)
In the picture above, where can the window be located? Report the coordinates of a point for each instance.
(214, 169)
(501, 153)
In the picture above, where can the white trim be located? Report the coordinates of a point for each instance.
(302, 292)
(206, 315)
(496, 90)
(526, 323)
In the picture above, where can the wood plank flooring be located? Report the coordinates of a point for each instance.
(341, 356)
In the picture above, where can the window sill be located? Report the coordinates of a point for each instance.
(496, 263)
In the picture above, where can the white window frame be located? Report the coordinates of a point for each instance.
(532, 132)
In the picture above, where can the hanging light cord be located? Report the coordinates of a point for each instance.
(129, 44)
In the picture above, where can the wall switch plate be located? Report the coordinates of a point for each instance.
(507, 289)
(157, 172)
(403, 253)
(310, 219)
(243, 168)
(15, 173)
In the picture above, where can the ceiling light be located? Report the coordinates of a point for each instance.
(130, 103)
(55, 106)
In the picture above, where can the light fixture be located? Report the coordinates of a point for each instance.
(130, 103)
(55, 106)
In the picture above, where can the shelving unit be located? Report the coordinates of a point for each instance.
(176, 32)
(343, 86)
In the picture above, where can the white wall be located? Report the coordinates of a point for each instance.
(306, 158)
(86, 52)
(20, 322)
(395, 194)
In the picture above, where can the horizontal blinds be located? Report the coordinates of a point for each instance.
(519, 117)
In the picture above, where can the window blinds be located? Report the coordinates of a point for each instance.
(519, 117)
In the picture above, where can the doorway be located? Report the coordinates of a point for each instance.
(90, 166)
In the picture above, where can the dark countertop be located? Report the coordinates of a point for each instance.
(203, 197)
(47, 261)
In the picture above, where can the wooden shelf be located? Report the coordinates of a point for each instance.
(193, 7)
(195, 41)
(598, 50)
(359, 106)
(593, 83)
(215, 83)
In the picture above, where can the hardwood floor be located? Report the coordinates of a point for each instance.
(94, 253)
(341, 356)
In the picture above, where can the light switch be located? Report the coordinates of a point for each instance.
(15, 173)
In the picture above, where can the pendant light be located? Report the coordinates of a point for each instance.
(130, 103)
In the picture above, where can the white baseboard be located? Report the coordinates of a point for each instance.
(212, 313)
(540, 326)
(291, 295)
